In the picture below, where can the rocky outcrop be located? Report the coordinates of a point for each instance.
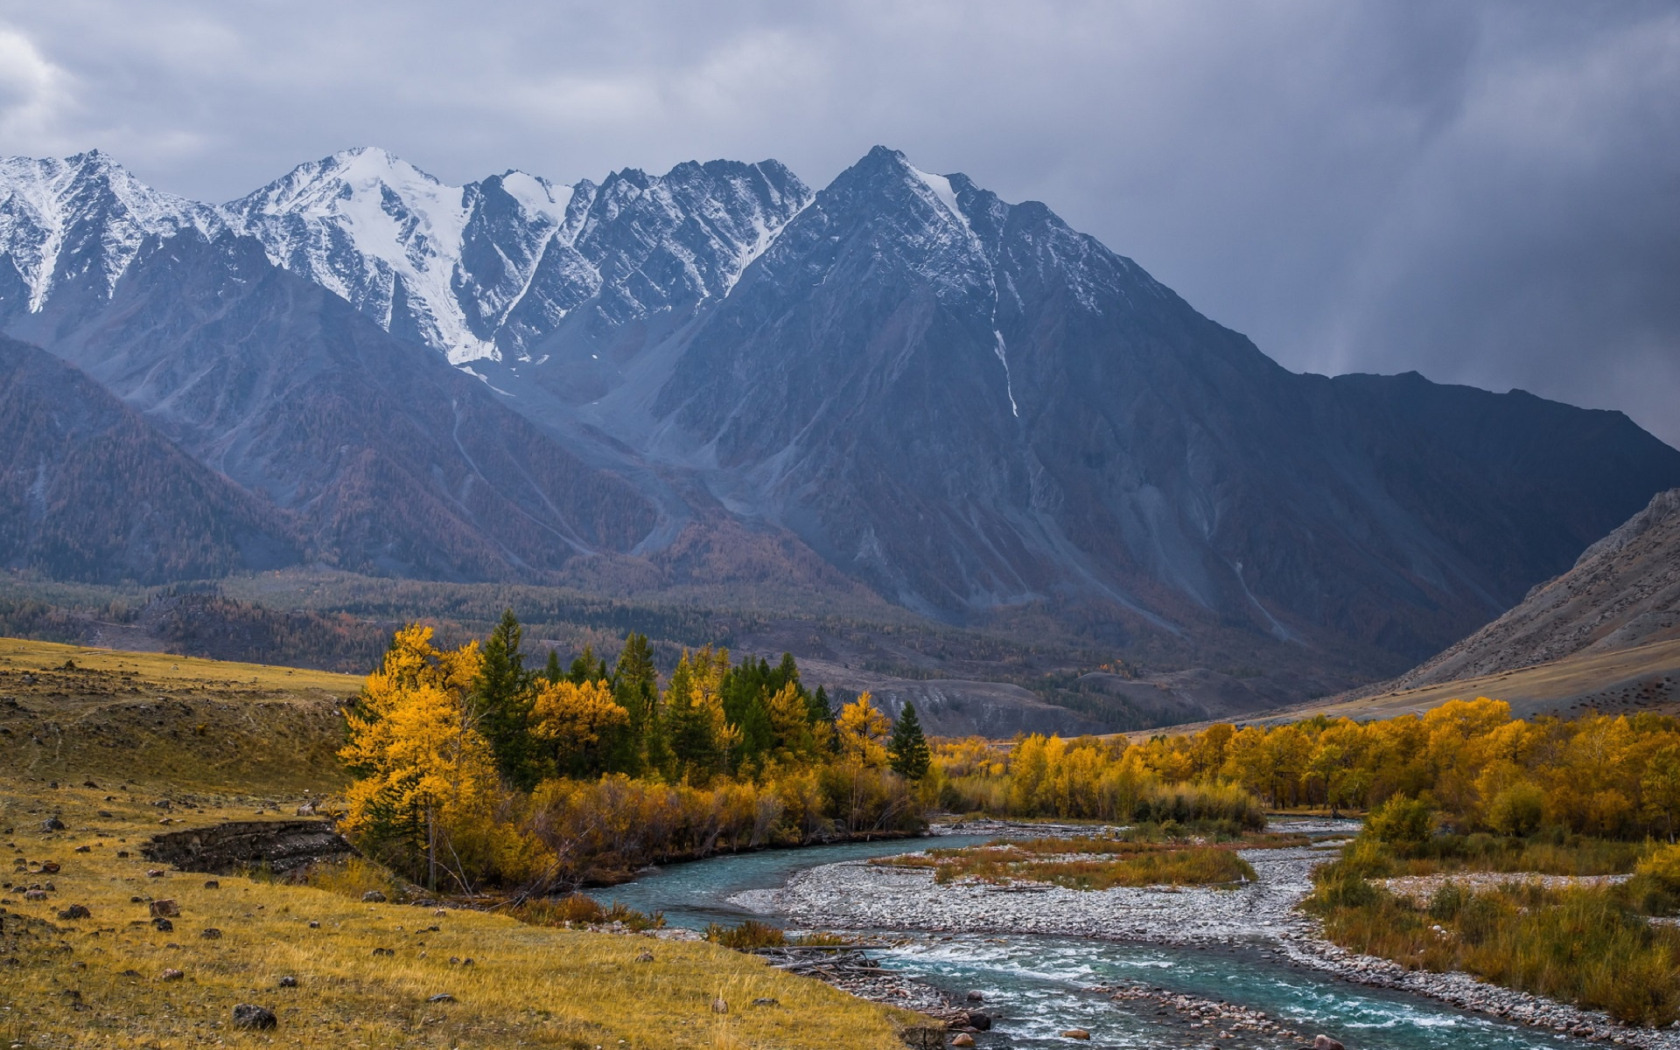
(279, 845)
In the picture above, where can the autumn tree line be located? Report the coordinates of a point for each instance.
(472, 768)
(1466, 765)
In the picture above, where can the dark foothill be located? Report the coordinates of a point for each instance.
(247, 1015)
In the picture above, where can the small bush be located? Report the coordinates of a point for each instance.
(749, 936)
(356, 876)
(1402, 820)
(580, 909)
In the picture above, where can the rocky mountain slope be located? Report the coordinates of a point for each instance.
(1623, 592)
(90, 490)
(961, 403)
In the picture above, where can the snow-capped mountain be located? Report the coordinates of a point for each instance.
(493, 267)
(960, 402)
(81, 217)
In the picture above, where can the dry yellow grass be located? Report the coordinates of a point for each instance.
(168, 670)
(96, 982)
(68, 712)
(236, 738)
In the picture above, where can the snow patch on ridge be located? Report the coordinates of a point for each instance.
(538, 196)
(48, 204)
(940, 186)
(361, 221)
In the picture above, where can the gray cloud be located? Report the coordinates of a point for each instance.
(1486, 193)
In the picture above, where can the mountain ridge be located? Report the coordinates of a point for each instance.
(963, 404)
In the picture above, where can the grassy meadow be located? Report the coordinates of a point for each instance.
(120, 732)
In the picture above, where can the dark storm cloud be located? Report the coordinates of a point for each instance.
(1485, 193)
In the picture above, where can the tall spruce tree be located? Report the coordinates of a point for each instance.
(907, 749)
(502, 699)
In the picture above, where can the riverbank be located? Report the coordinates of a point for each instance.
(1262, 915)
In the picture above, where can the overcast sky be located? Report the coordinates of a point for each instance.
(1486, 193)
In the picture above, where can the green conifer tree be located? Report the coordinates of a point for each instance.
(502, 699)
(907, 749)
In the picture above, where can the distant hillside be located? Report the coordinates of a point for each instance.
(1603, 636)
(91, 490)
(1624, 591)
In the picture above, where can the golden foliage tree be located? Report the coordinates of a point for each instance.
(424, 773)
(576, 722)
(863, 732)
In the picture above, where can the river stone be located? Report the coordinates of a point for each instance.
(249, 1015)
(962, 1039)
(979, 1021)
(1324, 1042)
(1076, 1033)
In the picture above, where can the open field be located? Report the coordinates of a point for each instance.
(100, 745)
(69, 712)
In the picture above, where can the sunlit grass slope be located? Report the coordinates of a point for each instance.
(228, 740)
